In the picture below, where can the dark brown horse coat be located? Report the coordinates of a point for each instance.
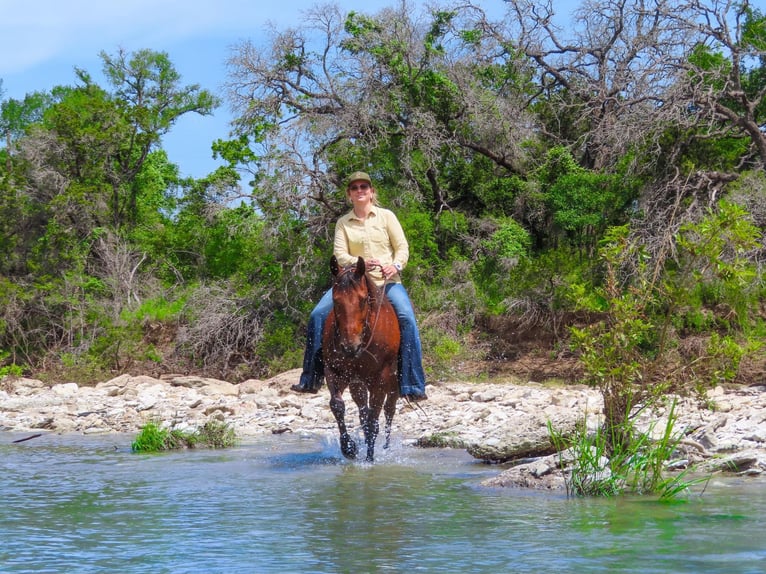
(360, 346)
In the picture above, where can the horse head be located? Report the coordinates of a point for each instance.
(352, 298)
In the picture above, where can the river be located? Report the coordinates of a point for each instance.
(286, 503)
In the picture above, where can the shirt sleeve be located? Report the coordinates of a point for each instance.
(341, 245)
(399, 245)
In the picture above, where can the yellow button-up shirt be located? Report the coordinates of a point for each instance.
(380, 236)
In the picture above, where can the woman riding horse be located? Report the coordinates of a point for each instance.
(375, 234)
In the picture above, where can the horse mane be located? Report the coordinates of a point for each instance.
(348, 278)
(373, 289)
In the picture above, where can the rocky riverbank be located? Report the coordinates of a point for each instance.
(499, 421)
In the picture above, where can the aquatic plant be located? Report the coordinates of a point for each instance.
(599, 465)
(216, 434)
(154, 438)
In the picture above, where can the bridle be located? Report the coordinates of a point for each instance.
(367, 329)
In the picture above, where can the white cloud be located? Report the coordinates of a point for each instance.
(41, 41)
(35, 30)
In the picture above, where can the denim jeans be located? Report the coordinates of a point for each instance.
(412, 378)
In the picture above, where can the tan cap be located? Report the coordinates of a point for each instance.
(359, 176)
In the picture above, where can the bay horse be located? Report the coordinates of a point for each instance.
(360, 347)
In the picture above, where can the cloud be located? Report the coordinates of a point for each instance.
(41, 41)
(34, 31)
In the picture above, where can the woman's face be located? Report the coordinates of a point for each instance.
(359, 191)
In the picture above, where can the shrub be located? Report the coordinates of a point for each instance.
(154, 438)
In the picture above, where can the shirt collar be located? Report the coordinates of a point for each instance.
(373, 213)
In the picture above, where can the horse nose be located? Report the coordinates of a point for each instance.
(350, 349)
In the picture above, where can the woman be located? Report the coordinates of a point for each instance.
(375, 234)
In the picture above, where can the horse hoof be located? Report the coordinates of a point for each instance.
(349, 449)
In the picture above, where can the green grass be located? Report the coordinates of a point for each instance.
(637, 466)
(154, 438)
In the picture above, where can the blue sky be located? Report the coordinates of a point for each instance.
(42, 41)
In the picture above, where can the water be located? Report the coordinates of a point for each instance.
(79, 504)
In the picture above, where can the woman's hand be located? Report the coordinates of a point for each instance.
(386, 270)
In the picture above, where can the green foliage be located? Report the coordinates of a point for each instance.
(510, 241)
(558, 163)
(450, 233)
(216, 434)
(580, 203)
(279, 347)
(11, 370)
(602, 465)
(443, 351)
(84, 367)
(155, 309)
(583, 204)
(627, 354)
(102, 238)
(419, 227)
(754, 30)
(499, 195)
(716, 255)
(503, 250)
(153, 437)
(18, 116)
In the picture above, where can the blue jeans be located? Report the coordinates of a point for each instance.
(412, 378)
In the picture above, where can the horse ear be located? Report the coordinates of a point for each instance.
(360, 267)
(334, 267)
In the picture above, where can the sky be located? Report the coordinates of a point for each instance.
(43, 41)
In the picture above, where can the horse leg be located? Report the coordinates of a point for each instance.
(372, 428)
(371, 434)
(360, 395)
(347, 444)
(389, 410)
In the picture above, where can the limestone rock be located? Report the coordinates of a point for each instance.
(512, 448)
(494, 421)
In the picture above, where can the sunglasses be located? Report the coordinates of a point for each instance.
(362, 186)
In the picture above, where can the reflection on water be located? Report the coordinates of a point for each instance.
(286, 504)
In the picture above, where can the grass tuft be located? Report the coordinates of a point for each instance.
(154, 438)
(599, 465)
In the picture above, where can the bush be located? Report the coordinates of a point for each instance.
(154, 438)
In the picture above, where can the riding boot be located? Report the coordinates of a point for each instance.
(308, 384)
(311, 381)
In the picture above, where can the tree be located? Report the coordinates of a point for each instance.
(16, 116)
(86, 152)
(89, 190)
(724, 76)
(600, 80)
(629, 69)
(631, 354)
(151, 98)
(405, 100)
